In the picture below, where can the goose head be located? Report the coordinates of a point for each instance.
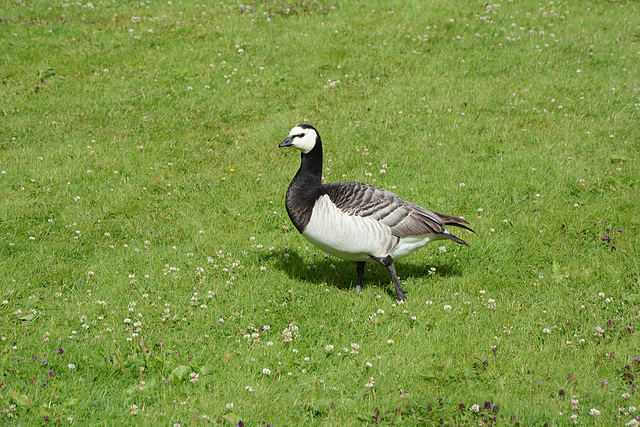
(302, 137)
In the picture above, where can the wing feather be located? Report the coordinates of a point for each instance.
(403, 217)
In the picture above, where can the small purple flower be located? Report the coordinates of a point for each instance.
(60, 350)
(44, 362)
(462, 406)
(51, 373)
(46, 419)
(495, 349)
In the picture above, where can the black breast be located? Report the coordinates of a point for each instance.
(300, 202)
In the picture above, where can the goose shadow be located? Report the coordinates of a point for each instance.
(341, 274)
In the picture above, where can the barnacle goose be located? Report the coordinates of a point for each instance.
(356, 221)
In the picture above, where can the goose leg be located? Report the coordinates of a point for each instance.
(388, 262)
(360, 275)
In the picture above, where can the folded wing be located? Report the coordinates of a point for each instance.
(403, 217)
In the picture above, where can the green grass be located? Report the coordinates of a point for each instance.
(143, 208)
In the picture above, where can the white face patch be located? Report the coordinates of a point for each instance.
(303, 139)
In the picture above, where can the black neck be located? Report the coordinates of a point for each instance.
(305, 188)
(310, 172)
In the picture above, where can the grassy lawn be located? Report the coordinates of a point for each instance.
(149, 273)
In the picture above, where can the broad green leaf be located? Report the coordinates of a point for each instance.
(44, 73)
(207, 369)
(232, 419)
(21, 400)
(29, 317)
(180, 372)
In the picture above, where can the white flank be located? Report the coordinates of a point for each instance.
(357, 238)
(408, 244)
(348, 237)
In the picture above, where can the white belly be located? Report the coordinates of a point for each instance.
(356, 238)
(408, 244)
(348, 237)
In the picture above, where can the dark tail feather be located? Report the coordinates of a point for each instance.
(455, 221)
(454, 238)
